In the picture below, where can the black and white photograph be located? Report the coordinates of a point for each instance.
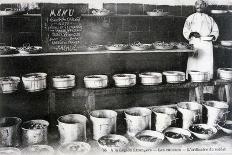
(133, 77)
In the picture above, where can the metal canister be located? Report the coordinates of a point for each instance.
(10, 131)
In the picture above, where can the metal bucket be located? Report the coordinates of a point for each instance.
(216, 112)
(72, 127)
(9, 131)
(137, 119)
(191, 113)
(104, 122)
(164, 117)
(34, 132)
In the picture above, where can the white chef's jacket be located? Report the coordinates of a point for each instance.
(205, 26)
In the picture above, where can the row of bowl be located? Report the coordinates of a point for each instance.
(34, 82)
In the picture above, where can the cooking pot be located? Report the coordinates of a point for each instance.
(63, 81)
(96, 81)
(151, 78)
(34, 82)
(9, 84)
(124, 80)
(174, 76)
(198, 76)
(225, 73)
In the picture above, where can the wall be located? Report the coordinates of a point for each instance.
(17, 30)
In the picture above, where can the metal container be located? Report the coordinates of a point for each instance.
(9, 84)
(38, 150)
(216, 112)
(34, 132)
(151, 78)
(226, 126)
(158, 136)
(112, 142)
(191, 113)
(9, 151)
(124, 80)
(117, 47)
(164, 117)
(225, 73)
(186, 135)
(174, 76)
(157, 12)
(140, 47)
(63, 81)
(74, 148)
(211, 129)
(198, 76)
(137, 119)
(96, 81)
(34, 82)
(10, 131)
(72, 127)
(226, 42)
(104, 122)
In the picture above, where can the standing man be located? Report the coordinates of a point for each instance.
(200, 30)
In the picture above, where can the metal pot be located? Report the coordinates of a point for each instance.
(34, 132)
(174, 76)
(63, 81)
(225, 73)
(151, 78)
(34, 82)
(124, 80)
(216, 112)
(9, 84)
(9, 131)
(137, 119)
(198, 76)
(164, 117)
(96, 81)
(72, 127)
(104, 122)
(191, 113)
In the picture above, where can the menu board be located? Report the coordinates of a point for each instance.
(61, 27)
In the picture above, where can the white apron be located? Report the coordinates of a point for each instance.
(202, 60)
(205, 26)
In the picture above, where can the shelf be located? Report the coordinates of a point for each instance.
(137, 89)
(100, 52)
(223, 47)
(123, 15)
